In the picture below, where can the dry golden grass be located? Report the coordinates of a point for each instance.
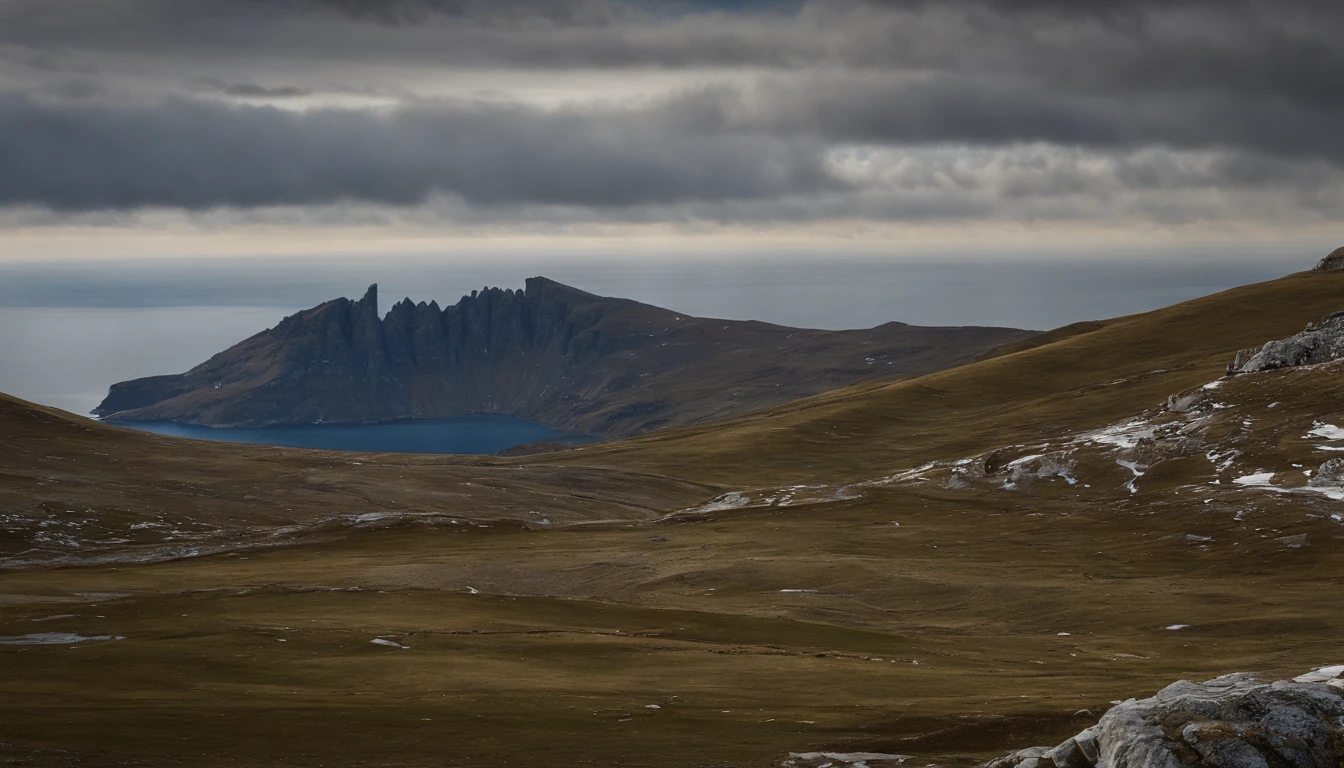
(1082, 381)
(263, 657)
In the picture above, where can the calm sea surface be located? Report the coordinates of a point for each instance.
(68, 331)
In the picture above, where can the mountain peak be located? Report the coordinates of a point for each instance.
(371, 297)
(536, 287)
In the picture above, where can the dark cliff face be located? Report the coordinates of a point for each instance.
(550, 353)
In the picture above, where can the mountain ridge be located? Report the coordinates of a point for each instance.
(549, 352)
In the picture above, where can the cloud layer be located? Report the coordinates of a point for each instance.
(600, 110)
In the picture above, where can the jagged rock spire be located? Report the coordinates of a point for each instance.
(371, 298)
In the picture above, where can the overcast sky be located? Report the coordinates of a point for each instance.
(144, 127)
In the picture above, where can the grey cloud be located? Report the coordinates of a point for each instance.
(1020, 34)
(819, 149)
(1047, 184)
(43, 61)
(199, 154)
(1038, 109)
(1284, 50)
(560, 12)
(988, 111)
(1023, 184)
(252, 90)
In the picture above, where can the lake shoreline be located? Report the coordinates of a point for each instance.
(467, 434)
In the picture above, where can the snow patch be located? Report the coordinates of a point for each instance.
(1333, 492)
(1327, 431)
(370, 517)
(733, 500)
(1222, 461)
(910, 474)
(855, 759)
(389, 643)
(53, 638)
(1260, 479)
(1137, 469)
(1126, 435)
(1321, 675)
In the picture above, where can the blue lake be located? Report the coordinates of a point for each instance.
(461, 434)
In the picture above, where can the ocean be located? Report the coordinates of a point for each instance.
(69, 330)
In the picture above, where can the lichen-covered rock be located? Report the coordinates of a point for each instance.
(1234, 721)
(1322, 343)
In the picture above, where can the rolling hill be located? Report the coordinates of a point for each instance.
(945, 568)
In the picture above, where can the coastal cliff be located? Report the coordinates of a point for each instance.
(550, 353)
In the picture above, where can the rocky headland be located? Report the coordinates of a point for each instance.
(550, 353)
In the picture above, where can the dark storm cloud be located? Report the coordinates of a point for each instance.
(503, 163)
(200, 154)
(1021, 34)
(1287, 48)
(1165, 95)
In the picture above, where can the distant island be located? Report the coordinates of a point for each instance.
(552, 354)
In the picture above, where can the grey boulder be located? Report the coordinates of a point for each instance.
(1322, 343)
(1234, 721)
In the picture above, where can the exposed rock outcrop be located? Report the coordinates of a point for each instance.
(1317, 344)
(1332, 263)
(550, 353)
(1330, 473)
(1234, 721)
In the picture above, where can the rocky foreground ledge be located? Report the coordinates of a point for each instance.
(1317, 344)
(1234, 721)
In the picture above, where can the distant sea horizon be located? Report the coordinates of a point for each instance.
(69, 330)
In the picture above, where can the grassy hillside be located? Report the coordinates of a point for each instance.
(112, 489)
(1082, 381)
(877, 609)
